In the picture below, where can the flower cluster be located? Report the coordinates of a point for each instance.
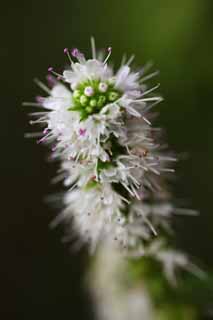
(98, 123)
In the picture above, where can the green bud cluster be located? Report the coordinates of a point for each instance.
(92, 101)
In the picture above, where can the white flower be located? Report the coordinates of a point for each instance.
(94, 210)
(88, 70)
(126, 80)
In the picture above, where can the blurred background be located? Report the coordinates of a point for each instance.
(40, 278)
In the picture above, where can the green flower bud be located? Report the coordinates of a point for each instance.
(101, 101)
(113, 96)
(93, 103)
(83, 100)
(89, 109)
(76, 94)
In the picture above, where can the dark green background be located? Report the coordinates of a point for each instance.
(39, 277)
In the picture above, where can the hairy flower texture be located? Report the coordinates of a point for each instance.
(97, 122)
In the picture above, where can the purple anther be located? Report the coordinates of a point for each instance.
(39, 99)
(109, 49)
(45, 131)
(41, 140)
(66, 50)
(50, 69)
(51, 80)
(82, 132)
(75, 52)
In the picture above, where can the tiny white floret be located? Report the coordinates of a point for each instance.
(89, 91)
(102, 87)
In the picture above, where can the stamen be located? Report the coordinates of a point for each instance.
(109, 49)
(51, 80)
(150, 106)
(66, 51)
(42, 139)
(180, 211)
(151, 90)
(59, 76)
(75, 52)
(130, 60)
(150, 99)
(146, 67)
(33, 134)
(150, 226)
(78, 55)
(39, 99)
(31, 104)
(149, 76)
(93, 48)
(45, 130)
(123, 61)
(42, 85)
(147, 121)
(167, 170)
(35, 114)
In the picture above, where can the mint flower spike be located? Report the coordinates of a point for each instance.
(97, 122)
